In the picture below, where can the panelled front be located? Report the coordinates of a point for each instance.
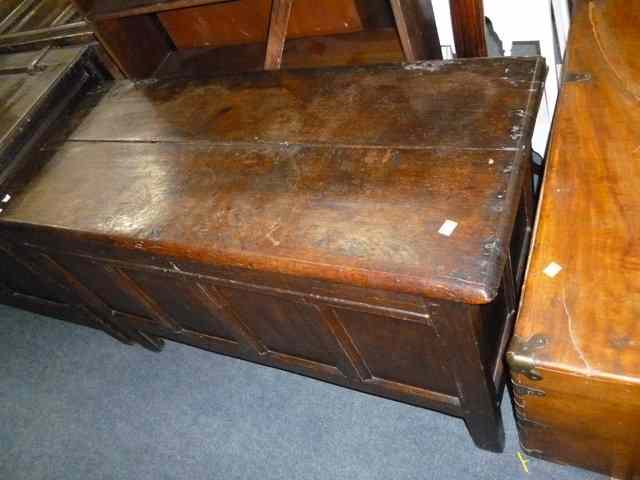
(193, 305)
(26, 282)
(395, 351)
(22, 275)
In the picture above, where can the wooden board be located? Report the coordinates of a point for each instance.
(579, 329)
(360, 48)
(265, 108)
(246, 22)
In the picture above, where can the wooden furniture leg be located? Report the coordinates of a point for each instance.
(481, 411)
(96, 305)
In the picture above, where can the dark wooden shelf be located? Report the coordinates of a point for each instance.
(109, 9)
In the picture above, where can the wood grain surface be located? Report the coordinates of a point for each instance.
(587, 314)
(277, 36)
(360, 48)
(340, 168)
(246, 22)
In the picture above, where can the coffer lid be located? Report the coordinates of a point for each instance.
(405, 178)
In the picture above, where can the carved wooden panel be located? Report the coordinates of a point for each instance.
(289, 327)
(246, 21)
(400, 351)
(21, 277)
(380, 349)
(186, 304)
(94, 277)
(27, 282)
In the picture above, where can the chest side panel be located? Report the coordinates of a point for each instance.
(376, 346)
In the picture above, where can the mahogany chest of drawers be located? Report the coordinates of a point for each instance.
(366, 226)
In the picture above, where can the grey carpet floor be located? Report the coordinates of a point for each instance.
(75, 404)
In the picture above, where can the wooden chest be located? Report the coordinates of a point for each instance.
(364, 226)
(575, 356)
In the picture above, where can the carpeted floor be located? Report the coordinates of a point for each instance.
(75, 404)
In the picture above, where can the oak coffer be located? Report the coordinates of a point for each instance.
(575, 356)
(366, 226)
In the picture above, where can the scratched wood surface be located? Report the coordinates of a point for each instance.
(346, 174)
(580, 329)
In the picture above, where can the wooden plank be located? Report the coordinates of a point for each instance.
(278, 25)
(353, 230)
(467, 18)
(416, 26)
(383, 105)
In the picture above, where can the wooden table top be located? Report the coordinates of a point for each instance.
(344, 174)
(589, 217)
